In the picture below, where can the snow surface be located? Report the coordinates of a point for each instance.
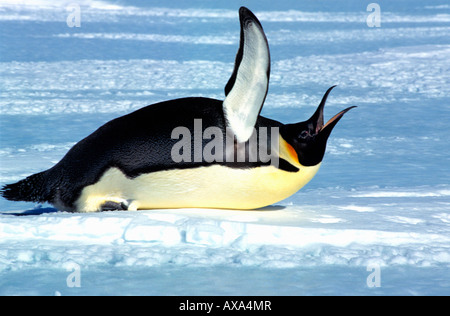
(380, 201)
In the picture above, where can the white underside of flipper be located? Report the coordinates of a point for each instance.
(251, 78)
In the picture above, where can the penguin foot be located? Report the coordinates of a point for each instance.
(114, 206)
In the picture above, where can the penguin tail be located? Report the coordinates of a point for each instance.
(31, 189)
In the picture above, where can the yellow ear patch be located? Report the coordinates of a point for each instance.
(292, 152)
(288, 152)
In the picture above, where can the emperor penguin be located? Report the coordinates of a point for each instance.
(191, 152)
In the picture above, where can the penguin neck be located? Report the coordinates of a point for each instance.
(288, 153)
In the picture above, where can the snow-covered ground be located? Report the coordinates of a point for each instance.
(376, 218)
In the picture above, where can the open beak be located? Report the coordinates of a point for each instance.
(333, 121)
(317, 119)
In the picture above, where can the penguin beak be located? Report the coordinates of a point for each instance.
(333, 121)
(317, 122)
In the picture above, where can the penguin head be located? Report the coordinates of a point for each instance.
(309, 138)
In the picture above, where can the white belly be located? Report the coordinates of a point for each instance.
(214, 186)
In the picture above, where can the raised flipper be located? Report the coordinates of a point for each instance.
(247, 88)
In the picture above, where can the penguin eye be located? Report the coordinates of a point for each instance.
(304, 134)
